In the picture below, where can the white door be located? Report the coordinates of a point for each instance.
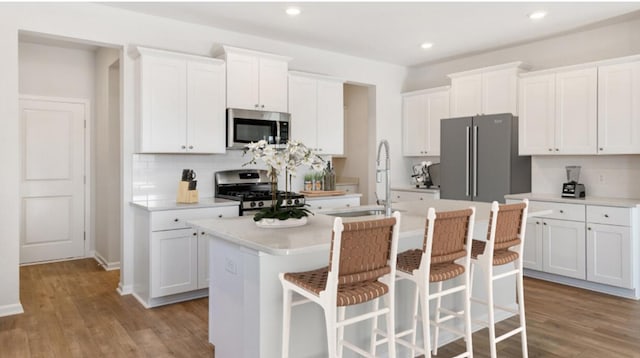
(499, 91)
(576, 111)
(414, 113)
(564, 248)
(303, 109)
(532, 250)
(273, 85)
(466, 96)
(52, 180)
(330, 117)
(536, 124)
(206, 107)
(437, 109)
(609, 255)
(242, 81)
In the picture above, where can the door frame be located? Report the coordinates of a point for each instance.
(88, 242)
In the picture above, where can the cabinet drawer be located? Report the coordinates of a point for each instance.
(575, 212)
(609, 215)
(177, 219)
(321, 204)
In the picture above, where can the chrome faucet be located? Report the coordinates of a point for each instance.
(387, 185)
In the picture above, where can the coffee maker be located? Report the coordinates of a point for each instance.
(421, 175)
(572, 189)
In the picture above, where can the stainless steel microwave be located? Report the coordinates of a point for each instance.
(245, 126)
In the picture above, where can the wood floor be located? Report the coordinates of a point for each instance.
(72, 310)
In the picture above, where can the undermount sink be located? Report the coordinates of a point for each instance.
(357, 213)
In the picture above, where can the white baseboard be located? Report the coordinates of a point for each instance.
(124, 290)
(107, 266)
(9, 310)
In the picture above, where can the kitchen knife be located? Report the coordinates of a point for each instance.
(193, 184)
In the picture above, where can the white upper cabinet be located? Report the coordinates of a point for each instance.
(558, 112)
(421, 115)
(487, 90)
(316, 104)
(619, 108)
(181, 103)
(256, 80)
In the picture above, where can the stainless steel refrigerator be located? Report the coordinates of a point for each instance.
(479, 158)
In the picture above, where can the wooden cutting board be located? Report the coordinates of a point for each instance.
(316, 193)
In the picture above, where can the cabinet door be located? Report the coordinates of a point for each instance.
(414, 124)
(163, 105)
(466, 96)
(273, 85)
(333, 203)
(609, 255)
(576, 111)
(437, 109)
(206, 107)
(536, 124)
(564, 248)
(499, 92)
(330, 119)
(242, 81)
(619, 109)
(532, 250)
(174, 262)
(303, 110)
(203, 260)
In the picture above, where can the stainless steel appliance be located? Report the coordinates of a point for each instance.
(572, 189)
(420, 176)
(479, 158)
(246, 126)
(252, 187)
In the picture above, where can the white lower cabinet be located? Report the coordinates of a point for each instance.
(171, 258)
(563, 245)
(322, 203)
(408, 195)
(593, 243)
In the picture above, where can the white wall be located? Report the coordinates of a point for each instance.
(101, 24)
(548, 174)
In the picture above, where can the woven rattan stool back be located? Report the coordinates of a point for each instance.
(449, 235)
(508, 226)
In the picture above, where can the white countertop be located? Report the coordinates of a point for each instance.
(351, 195)
(589, 200)
(316, 235)
(160, 205)
(413, 188)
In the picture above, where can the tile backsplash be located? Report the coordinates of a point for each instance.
(616, 176)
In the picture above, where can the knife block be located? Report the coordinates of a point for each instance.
(186, 196)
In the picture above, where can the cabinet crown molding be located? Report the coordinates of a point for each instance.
(426, 91)
(518, 66)
(229, 49)
(141, 51)
(315, 75)
(610, 61)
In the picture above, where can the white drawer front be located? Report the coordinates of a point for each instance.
(321, 204)
(177, 219)
(609, 215)
(575, 212)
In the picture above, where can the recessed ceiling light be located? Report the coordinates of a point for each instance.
(293, 11)
(537, 15)
(426, 45)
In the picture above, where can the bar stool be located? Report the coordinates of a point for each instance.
(445, 255)
(505, 240)
(363, 254)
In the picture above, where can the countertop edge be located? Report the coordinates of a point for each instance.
(618, 202)
(165, 205)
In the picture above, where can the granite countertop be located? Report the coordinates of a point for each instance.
(589, 200)
(160, 205)
(413, 188)
(316, 234)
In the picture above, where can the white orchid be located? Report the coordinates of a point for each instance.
(292, 156)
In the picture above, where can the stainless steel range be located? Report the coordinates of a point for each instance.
(252, 187)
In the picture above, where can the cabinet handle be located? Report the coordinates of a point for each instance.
(557, 149)
(202, 233)
(421, 198)
(606, 215)
(195, 233)
(551, 150)
(262, 106)
(183, 146)
(544, 223)
(256, 105)
(601, 149)
(561, 211)
(176, 220)
(319, 207)
(219, 215)
(537, 222)
(348, 205)
(190, 147)
(589, 228)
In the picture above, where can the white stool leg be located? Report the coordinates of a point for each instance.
(330, 321)
(341, 315)
(436, 330)
(426, 325)
(391, 328)
(467, 312)
(491, 312)
(374, 328)
(286, 321)
(523, 322)
(416, 304)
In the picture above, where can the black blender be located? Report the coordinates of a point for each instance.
(572, 189)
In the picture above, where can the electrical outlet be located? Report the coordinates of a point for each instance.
(230, 266)
(601, 178)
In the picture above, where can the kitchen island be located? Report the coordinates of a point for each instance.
(245, 295)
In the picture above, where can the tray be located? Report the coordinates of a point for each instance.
(315, 193)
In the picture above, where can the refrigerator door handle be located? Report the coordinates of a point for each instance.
(466, 187)
(475, 161)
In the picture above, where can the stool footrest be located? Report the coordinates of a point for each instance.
(508, 334)
(409, 345)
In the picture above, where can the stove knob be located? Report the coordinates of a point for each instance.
(261, 204)
(296, 201)
(253, 204)
(289, 201)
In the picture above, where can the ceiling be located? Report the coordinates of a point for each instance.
(393, 31)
